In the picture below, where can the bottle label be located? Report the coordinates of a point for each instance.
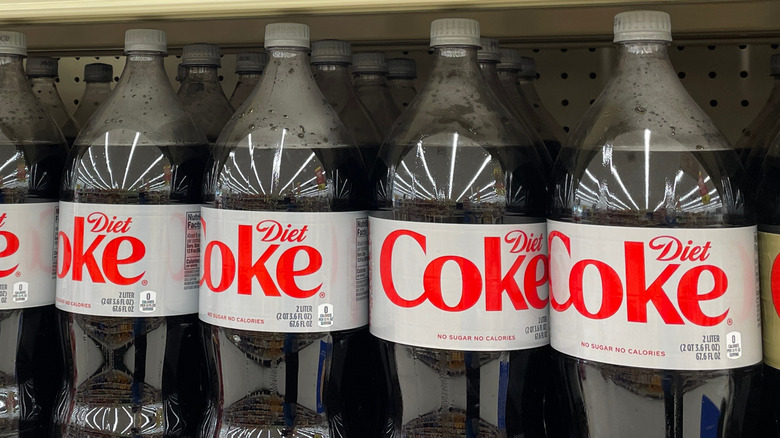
(128, 260)
(459, 287)
(27, 258)
(769, 267)
(683, 299)
(284, 272)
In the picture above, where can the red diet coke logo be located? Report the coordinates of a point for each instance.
(274, 269)
(519, 251)
(97, 249)
(639, 291)
(9, 246)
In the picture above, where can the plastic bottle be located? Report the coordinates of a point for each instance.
(128, 265)
(33, 149)
(97, 77)
(330, 61)
(540, 119)
(200, 92)
(488, 57)
(284, 296)
(401, 76)
(460, 227)
(42, 72)
(653, 297)
(756, 139)
(370, 69)
(249, 67)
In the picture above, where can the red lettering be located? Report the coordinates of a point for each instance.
(11, 246)
(554, 303)
(611, 289)
(286, 272)
(689, 298)
(386, 267)
(111, 260)
(638, 295)
(774, 281)
(471, 283)
(86, 258)
(247, 270)
(228, 266)
(495, 285)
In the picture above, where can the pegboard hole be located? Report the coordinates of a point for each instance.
(77, 79)
(743, 74)
(681, 75)
(535, 50)
(116, 78)
(710, 47)
(743, 46)
(221, 78)
(75, 101)
(57, 80)
(97, 58)
(564, 75)
(591, 101)
(745, 103)
(565, 102)
(566, 128)
(564, 50)
(775, 46)
(77, 58)
(713, 103)
(712, 75)
(681, 48)
(591, 49)
(116, 57)
(592, 75)
(405, 52)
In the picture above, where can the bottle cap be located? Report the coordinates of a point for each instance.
(489, 51)
(455, 32)
(201, 54)
(41, 67)
(98, 72)
(331, 51)
(13, 43)
(401, 68)
(146, 40)
(527, 67)
(369, 62)
(251, 62)
(774, 65)
(642, 26)
(510, 60)
(286, 35)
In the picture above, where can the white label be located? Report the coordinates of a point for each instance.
(669, 298)
(128, 260)
(26, 248)
(459, 287)
(284, 272)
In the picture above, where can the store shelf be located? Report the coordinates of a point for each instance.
(79, 26)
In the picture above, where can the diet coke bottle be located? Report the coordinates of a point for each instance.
(459, 258)
(284, 289)
(653, 296)
(128, 266)
(32, 149)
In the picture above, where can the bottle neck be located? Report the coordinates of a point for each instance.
(249, 76)
(43, 82)
(338, 71)
(507, 76)
(142, 68)
(97, 87)
(644, 59)
(12, 71)
(370, 78)
(401, 81)
(201, 73)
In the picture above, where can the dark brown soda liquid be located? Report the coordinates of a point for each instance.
(671, 188)
(499, 185)
(30, 371)
(137, 377)
(258, 375)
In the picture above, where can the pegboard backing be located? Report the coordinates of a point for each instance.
(729, 81)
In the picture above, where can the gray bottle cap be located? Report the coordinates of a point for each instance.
(369, 62)
(527, 67)
(331, 51)
(286, 35)
(98, 72)
(201, 54)
(13, 43)
(510, 60)
(642, 26)
(146, 40)
(401, 68)
(455, 32)
(489, 51)
(774, 65)
(41, 67)
(251, 62)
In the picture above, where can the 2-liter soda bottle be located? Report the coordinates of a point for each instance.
(284, 290)
(653, 293)
(459, 258)
(97, 77)
(128, 260)
(42, 71)
(32, 149)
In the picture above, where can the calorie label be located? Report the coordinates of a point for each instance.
(26, 247)
(669, 298)
(470, 287)
(128, 260)
(284, 272)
